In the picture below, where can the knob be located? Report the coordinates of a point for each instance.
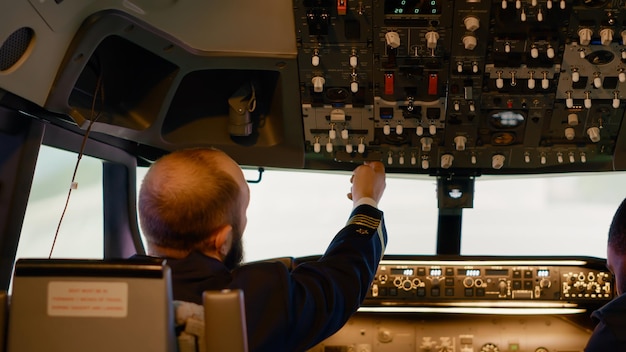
(471, 23)
(575, 75)
(622, 76)
(550, 52)
(419, 130)
(413, 159)
(507, 47)
(497, 161)
(432, 129)
(585, 36)
(393, 39)
(570, 133)
(349, 148)
(594, 134)
(549, 4)
(318, 84)
(473, 159)
(361, 147)
(386, 130)
(344, 133)
(329, 147)
(502, 287)
(504, 4)
(425, 164)
(559, 158)
(543, 160)
(431, 39)
(446, 161)
(317, 146)
(460, 141)
(426, 143)
(401, 159)
(606, 36)
(572, 119)
(469, 41)
(399, 129)
(390, 161)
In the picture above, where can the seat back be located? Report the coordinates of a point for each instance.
(3, 319)
(91, 305)
(225, 321)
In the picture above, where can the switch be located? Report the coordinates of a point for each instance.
(342, 7)
(433, 84)
(389, 89)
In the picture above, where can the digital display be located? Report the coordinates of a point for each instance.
(496, 272)
(402, 271)
(412, 7)
(435, 272)
(543, 272)
(472, 272)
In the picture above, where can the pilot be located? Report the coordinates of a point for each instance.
(192, 207)
(610, 331)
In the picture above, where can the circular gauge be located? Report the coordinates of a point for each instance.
(601, 57)
(489, 347)
(502, 138)
(337, 95)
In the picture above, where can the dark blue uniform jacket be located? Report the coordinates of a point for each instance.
(294, 310)
(610, 332)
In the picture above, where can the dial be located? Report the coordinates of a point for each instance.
(489, 347)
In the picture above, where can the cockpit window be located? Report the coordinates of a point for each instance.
(81, 233)
(542, 215)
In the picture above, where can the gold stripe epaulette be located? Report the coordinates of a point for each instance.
(364, 220)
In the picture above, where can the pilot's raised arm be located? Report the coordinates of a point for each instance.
(192, 206)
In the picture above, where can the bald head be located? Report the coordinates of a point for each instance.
(189, 195)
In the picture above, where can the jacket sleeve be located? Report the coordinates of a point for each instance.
(325, 293)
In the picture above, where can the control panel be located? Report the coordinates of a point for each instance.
(500, 282)
(498, 86)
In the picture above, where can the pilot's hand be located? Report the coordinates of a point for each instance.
(368, 180)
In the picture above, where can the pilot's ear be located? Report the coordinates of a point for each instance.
(223, 240)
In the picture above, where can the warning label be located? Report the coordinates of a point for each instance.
(88, 299)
